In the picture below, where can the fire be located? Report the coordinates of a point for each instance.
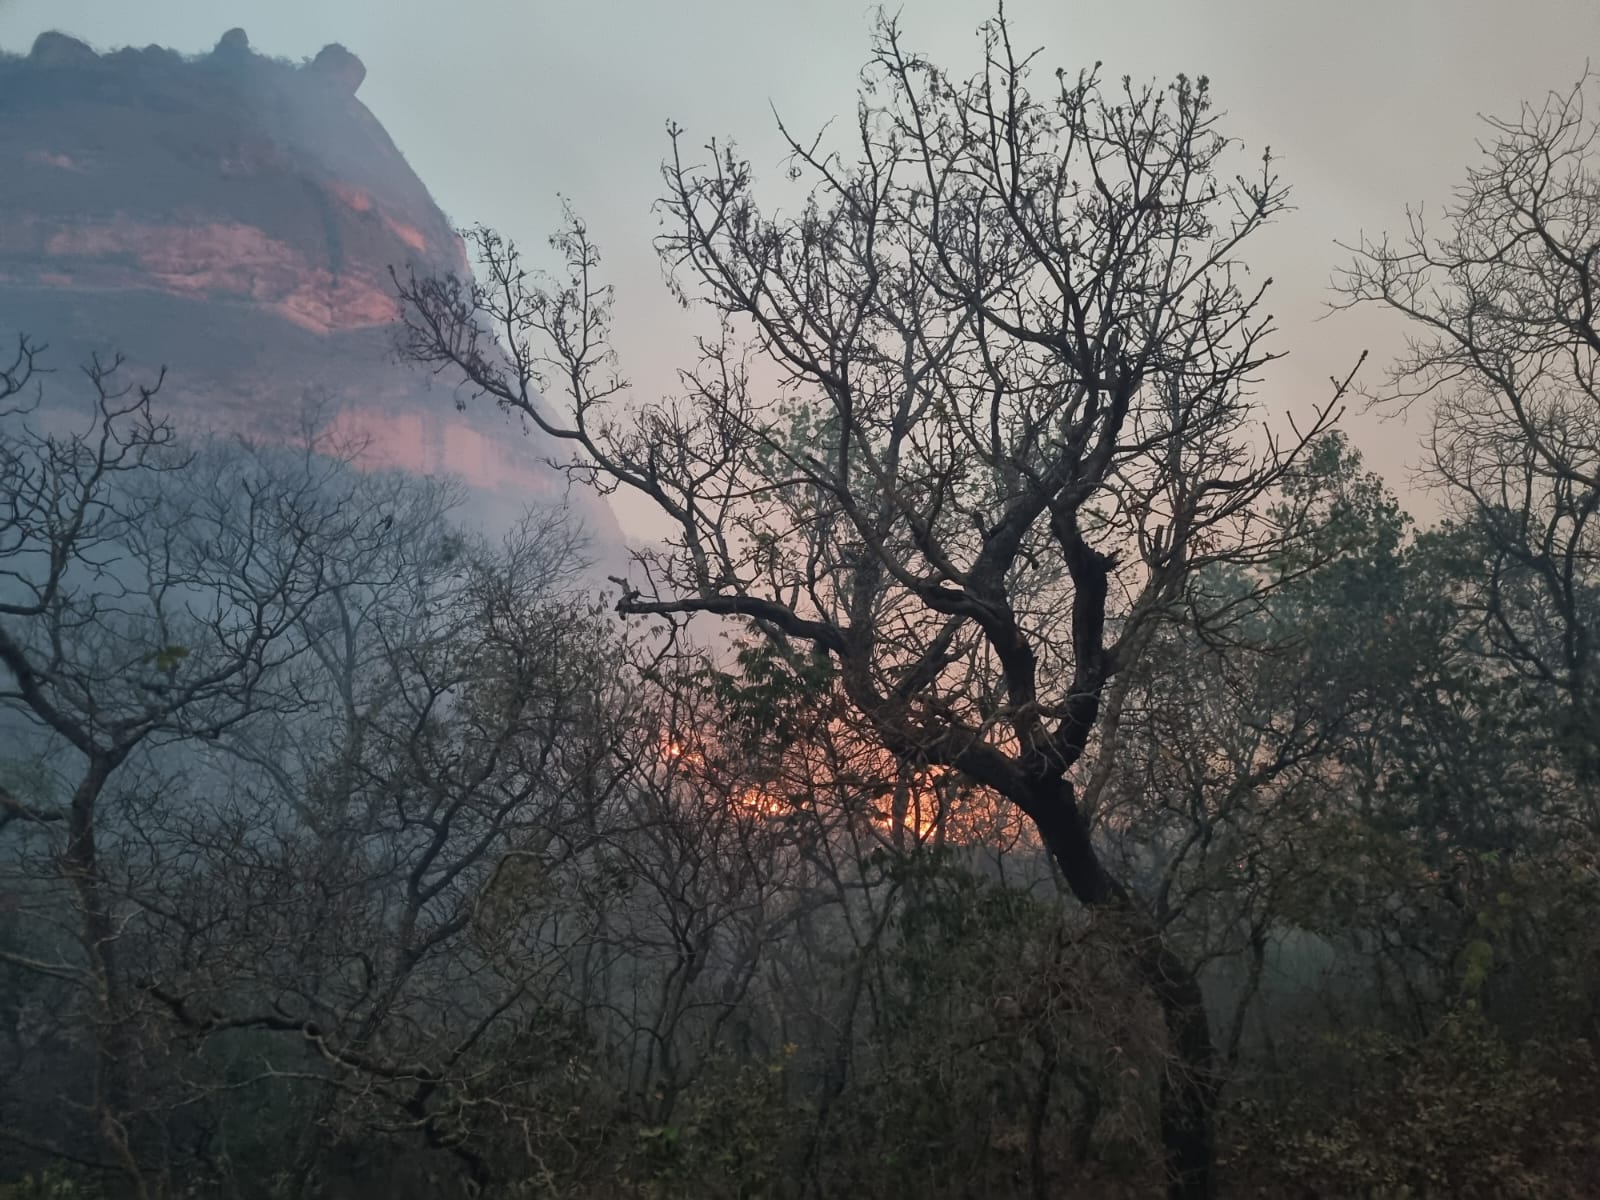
(913, 806)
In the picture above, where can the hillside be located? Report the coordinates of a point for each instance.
(236, 218)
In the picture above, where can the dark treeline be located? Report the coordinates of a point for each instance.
(1020, 772)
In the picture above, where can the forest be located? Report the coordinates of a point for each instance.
(1038, 759)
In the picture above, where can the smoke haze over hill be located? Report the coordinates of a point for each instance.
(236, 218)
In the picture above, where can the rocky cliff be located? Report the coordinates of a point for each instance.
(235, 218)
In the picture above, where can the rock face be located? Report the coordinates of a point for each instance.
(236, 218)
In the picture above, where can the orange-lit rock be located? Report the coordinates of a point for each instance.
(217, 261)
(236, 218)
(353, 197)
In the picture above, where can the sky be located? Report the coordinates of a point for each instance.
(503, 106)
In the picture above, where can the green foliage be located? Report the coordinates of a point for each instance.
(1333, 510)
(167, 659)
(734, 1136)
(1456, 1114)
(52, 1183)
(774, 697)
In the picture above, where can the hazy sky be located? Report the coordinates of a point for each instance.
(501, 104)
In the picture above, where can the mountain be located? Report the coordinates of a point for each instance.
(235, 218)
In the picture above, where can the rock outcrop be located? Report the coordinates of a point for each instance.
(234, 42)
(59, 50)
(236, 218)
(339, 67)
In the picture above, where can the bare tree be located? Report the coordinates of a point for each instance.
(1502, 295)
(971, 417)
(148, 596)
(373, 896)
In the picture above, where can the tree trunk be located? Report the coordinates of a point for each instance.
(1039, 1117)
(1189, 1083)
(113, 1046)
